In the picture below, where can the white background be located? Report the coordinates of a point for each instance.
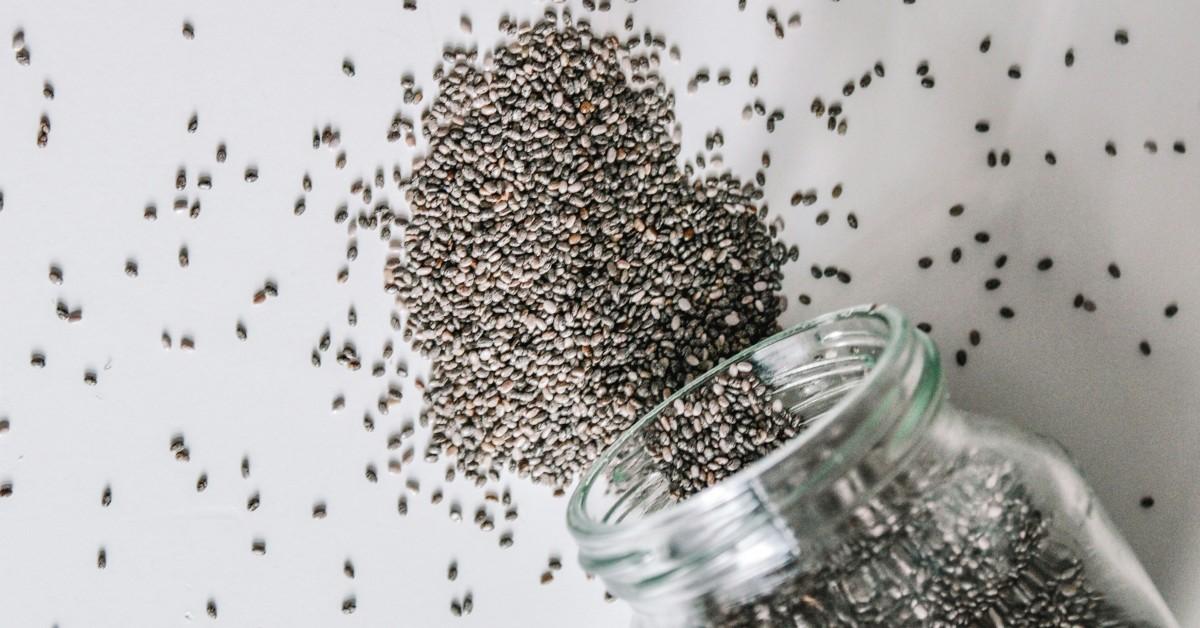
(261, 75)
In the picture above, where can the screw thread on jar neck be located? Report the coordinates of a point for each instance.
(864, 382)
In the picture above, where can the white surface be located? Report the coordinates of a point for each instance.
(262, 75)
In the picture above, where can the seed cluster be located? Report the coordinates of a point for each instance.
(563, 273)
(725, 424)
(961, 546)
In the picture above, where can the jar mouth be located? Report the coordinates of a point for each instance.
(888, 381)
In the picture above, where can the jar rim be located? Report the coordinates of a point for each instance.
(899, 335)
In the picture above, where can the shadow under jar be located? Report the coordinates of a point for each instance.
(889, 507)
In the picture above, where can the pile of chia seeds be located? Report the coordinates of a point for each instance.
(726, 423)
(955, 542)
(563, 273)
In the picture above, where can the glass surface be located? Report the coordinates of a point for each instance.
(890, 508)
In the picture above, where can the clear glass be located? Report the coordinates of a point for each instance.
(891, 507)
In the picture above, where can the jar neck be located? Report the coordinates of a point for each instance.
(865, 383)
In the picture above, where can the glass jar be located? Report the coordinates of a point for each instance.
(891, 507)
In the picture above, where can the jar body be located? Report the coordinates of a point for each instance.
(890, 508)
(983, 525)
